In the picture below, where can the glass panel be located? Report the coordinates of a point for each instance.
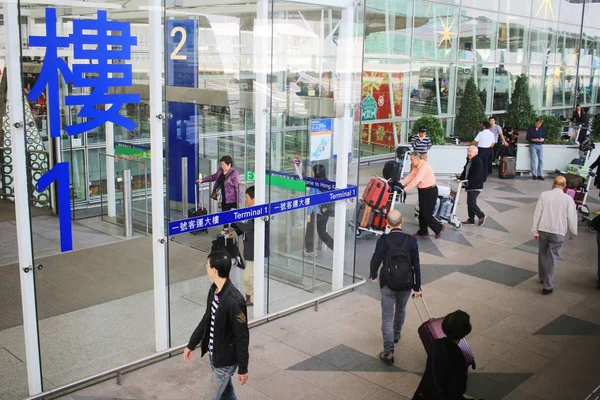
(301, 241)
(513, 39)
(478, 30)
(504, 84)
(430, 87)
(435, 35)
(592, 10)
(522, 8)
(567, 45)
(388, 28)
(101, 292)
(481, 4)
(571, 12)
(545, 9)
(543, 42)
(540, 86)
(484, 78)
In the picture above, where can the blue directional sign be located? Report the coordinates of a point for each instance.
(243, 214)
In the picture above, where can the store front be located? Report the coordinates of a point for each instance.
(114, 109)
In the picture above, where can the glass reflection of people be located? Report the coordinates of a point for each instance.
(227, 181)
(318, 172)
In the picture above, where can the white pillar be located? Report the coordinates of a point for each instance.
(15, 101)
(110, 169)
(261, 64)
(159, 241)
(347, 66)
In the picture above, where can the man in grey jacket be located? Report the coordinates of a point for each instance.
(554, 216)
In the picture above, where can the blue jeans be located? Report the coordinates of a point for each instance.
(536, 151)
(393, 312)
(221, 386)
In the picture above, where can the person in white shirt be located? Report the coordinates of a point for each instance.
(554, 216)
(496, 130)
(485, 143)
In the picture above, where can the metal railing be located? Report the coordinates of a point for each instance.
(129, 367)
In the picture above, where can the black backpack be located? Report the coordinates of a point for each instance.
(397, 266)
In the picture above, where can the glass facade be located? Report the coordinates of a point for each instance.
(286, 77)
(285, 73)
(433, 47)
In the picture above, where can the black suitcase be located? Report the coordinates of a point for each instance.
(199, 210)
(391, 171)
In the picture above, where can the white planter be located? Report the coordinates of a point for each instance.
(556, 156)
(447, 159)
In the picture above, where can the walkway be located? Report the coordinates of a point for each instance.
(527, 346)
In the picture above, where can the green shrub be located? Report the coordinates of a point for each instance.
(553, 128)
(434, 127)
(471, 113)
(520, 113)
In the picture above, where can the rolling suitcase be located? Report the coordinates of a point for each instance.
(199, 210)
(573, 181)
(508, 167)
(365, 216)
(431, 330)
(379, 221)
(376, 193)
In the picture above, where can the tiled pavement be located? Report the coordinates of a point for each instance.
(527, 346)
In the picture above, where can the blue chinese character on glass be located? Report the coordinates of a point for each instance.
(99, 43)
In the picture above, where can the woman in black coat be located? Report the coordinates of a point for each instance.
(474, 174)
(445, 376)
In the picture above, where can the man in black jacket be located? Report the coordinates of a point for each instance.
(247, 229)
(393, 302)
(474, 174)
(223, 331)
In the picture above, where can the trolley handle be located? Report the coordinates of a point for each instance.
(417, 307)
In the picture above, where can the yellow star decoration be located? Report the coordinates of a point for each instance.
(546, 5)
(446, 33)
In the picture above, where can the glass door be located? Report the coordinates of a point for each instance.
(94, 286)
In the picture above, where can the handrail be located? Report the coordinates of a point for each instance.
(118, 371)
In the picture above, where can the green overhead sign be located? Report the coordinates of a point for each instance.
(279, 181)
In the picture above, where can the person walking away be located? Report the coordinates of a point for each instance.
(473, 173)
(485, 144)
(400, 273)
(223, 331)
(536, 136)
(225, 190)
(445, 376)
(497, 131)
(422, 177)
(421, 143)
(554, 216)
(316, 214)
(247, 229)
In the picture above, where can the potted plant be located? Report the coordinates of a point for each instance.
(434, 127)
(471, 113)
(520, 113)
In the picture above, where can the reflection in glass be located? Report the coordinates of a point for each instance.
(513, 39)
(430, 86)
(436, 31)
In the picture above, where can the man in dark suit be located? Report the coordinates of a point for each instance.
(473, 173)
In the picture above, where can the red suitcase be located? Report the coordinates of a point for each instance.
(379, 221)
(431, 330)
(376, 193)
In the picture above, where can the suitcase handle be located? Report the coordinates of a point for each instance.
(417, 307)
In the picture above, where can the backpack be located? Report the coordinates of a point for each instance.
(397, 267)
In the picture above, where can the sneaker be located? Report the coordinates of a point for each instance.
(468, 222)
(248, 301)
(547, 291)
(481, 221)
(419, 235)
(438, 235)
(388, 359)
(308, 254)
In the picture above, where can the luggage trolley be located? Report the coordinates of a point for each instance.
(398, 195)
(447, 195)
